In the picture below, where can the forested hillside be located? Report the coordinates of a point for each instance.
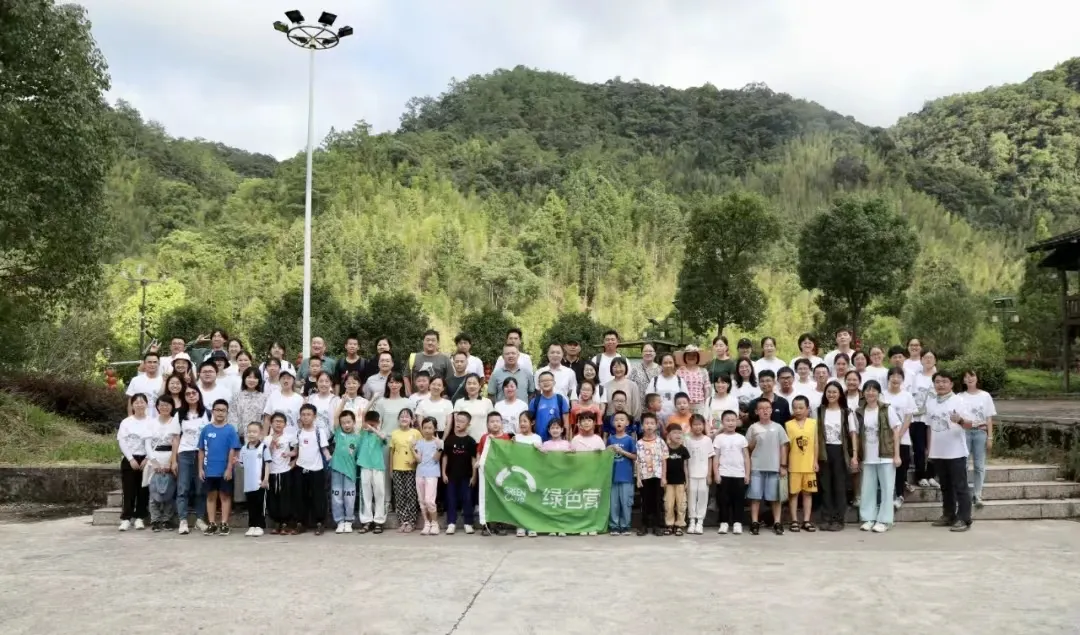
(525, 191)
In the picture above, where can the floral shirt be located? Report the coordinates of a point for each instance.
(696, 380)
(641, 375)
(247, 407)
(650, 458)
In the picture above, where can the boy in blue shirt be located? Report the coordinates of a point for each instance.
(547, 406)
(218, 445)
(622, 475)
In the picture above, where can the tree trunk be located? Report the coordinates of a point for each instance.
(856, 312)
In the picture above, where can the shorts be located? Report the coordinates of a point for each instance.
(218, 484)
(802, 482)
(764, 486)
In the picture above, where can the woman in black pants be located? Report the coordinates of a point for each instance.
(834, 430)
(132, 436)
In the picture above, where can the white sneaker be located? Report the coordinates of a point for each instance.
(426, 531)
(924, 483)
(699, 527)
(736, 528)
(183, 530)
(561, 535)
(867, 526)
(520, 532)
(898, 502)
(468, 529)
(450, 529)
(591, 533)
(200, 524)
(348, 527)
(139, 524)
(933, 482)
(880, 528)
(340, 528)
(125, 525)
(532, 534)
(723, 528)
(250, 532)
(259, 531)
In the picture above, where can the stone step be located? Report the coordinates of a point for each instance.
(1006, 491)
(115, 498)
(1019, 473)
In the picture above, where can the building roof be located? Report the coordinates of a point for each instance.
(1062, 251)
(1071, 237)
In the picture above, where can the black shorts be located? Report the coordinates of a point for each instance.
(218, 484)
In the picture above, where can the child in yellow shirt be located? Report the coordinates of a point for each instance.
(403, 463)
(802, 463)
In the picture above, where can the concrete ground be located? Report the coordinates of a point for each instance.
(1064, 411)
(64, 576)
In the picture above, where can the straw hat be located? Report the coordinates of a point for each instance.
(703, 356)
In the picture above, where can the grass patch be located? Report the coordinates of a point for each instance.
(30, 435)
(1035, 382)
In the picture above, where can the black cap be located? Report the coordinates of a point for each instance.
(219, 354)
(745, 343)
(573, 342)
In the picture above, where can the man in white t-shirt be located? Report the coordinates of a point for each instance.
(148, 383)
(513, 338)
(177, 346)
(945, 418)
(610, 354)
(475, 365)
(786, 378)
(843, 345)
(565, 378)
(210, 387)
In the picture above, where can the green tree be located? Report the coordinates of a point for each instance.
(941, 310)
(487, 328)
(727, 236)
(1037, 334)
(394, 314)
(189, 321)
(284, 321)
(578, 326)
(886, 246)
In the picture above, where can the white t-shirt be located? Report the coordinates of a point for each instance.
(416, 398)
(510, 412)
(565, 380)
(356, 405)
(834, 427)
(853, 401)
(439, 409)
(912, 368)
(603, 363)
(880, 375)
(253, 460)
(979, 406)
(667, 388)
(474, 366)
(285, 366)
(160, 435)
(830, 360)
(143, 385)
(717, 407)
(804, 389)
(904, 405)
(324, 411)
(701, 449)
(921, 388)
(280, 461)
(948, 440)
(590, 443)
(524, 361)
(219, 391)
(529, 439)
(131, 436)
(814, 361)
(745, 394)
(870, 435)
(729, 452)
(478, 409)
(774, 364)
(310, 442)
(789, 398)
(289, 406)
(190, 429)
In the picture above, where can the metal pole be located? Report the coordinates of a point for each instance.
(142, 316)
(307, 207)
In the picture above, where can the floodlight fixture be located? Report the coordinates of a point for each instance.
(345, 31)
(281, 26)
(327, 19)
(294, 16)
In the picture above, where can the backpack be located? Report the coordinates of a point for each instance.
(596, 362)
(534, 404)
(656, 391)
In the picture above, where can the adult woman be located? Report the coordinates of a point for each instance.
(286, 401)
(392, 400)
(835, 427)
(271, 373)
(193, 417)
(878, 447)
(980, 437)
(181, 367)
(643, 373)
(233, 376)
(768, 359)
(510, 407)
(859, 363)
(841, 366)
(326, 403)
(376, 383)
(277, 351)
(620, 381)
(921, 387)
(174, 390)
(351, 399)
(159, 474)
(667, 384)
(721, 363)
(131, 437)
(476, 404)
(720, 402)
(436, 406)
(249, 404)
(876, 370)
(902, 402)
(745, 386)
(233, 348)
(694, 377)
(585, 403)
(804, 380)
(807, 350)
(589, 372)
(852, 382)
(913, 364)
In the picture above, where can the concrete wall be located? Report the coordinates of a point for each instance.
(88, 484)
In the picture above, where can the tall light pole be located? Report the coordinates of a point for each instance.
(313, 37)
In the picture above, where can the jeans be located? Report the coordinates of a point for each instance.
(342, 497)
(877, 484)
(976, 440)
(955, 501)
(622, 499)
(188, 485)
(162, 497)
(459, 493)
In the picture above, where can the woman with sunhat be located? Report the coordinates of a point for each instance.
(694, 376)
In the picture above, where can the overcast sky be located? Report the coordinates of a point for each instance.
(216, 68)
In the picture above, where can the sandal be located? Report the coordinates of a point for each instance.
(378, 529)
(809, 526)
(667, 531)
(679, 531)
(362, 529)
(407, 528)
(793, 527)
(276, 531)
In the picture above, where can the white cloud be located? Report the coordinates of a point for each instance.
(216, 68)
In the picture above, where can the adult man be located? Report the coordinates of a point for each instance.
(609, 354)
(352, 362)
(218, 338)
(573, 359)
(473, 364)
(565, 380)
(786, 378)
(948, 423)
(176, 347)
(430, 359)
(318, 349)
(513, 338)
(148, 383)
(843, 345)
(511, 368)
(781, 411)
(209, 387)
(455, 383)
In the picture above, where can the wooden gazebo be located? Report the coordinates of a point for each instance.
(1063, 253)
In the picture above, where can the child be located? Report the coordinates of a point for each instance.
(675, 479)
(651, 455)
(802, 463)
(622, 474)
(403, 462)
(459, 472)
(526, 436)
(311, 456)
(768, 442)
(494, 431)
(372, 464)
(556, 443)
(618, 404)
(421, 384)
(427, 451)
(218, 443)
(584, 403)
(161, 442)
(586, 439)
(343, 472)
(682, 413)
(654, 403)
(282, 491)
(700, 473)
(732, 472)
(255, 457)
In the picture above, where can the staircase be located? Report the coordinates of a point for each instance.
(1011, 492)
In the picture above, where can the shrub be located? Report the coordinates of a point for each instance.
(990, 369)
(97, 408)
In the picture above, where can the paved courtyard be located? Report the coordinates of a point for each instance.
(65, 576)
(1064, 411)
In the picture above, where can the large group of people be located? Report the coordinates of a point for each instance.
(336, 442)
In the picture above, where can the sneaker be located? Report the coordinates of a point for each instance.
(183, 529)
(250, 532)
(561, 535)
(933, 482)
(755, 527)
(855, 503)
(340, 528)
(909, 488)
(867, 526)
(318, 529)
(426, 531)
(450, 529)
(348, 527)
(156, 527)
(591, 533)
(469, 529)
(943, 522)
(898, 502)
(960, 526)
(978, 502)
(532, 534)
(924, 482)
(778, 529)
(125, 525)
(223, 530)
(880, 528)
(736, 528)
(201, 524)
(139, 524)
(520, 532)
(498, 530)
(210, 530)
(723, 528)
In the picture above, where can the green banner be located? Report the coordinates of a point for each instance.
(553, 492)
